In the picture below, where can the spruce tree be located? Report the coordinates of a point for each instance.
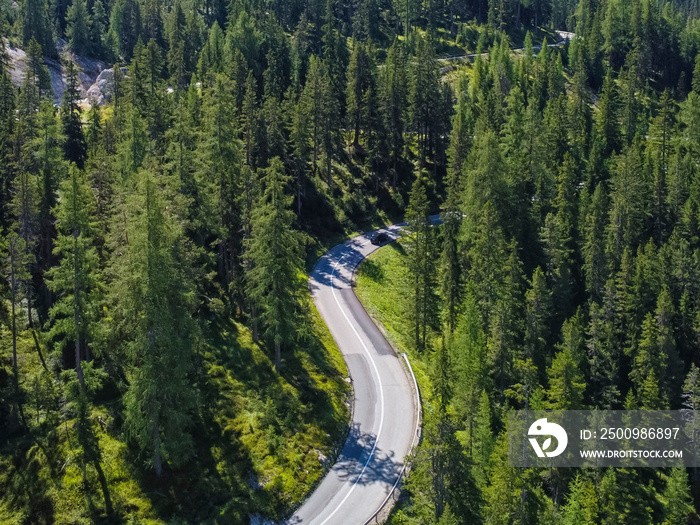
(275, 253)
(79, 27)
(318, 92)
(219, 185)
(153, 305)
(36, 26)
(15, 264)
(393, 93)
(421, 252)
(77, 283)
(677, 496)
(424, 92)
(359, 78)
(76, 280)
(74, 146)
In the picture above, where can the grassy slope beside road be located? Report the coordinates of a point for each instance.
(260, 438)
(383, 287)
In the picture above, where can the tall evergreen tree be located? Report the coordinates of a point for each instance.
(219, 181)
(318, 93)
(393, 93)
(36, 25)
(16, 261)
(424, 92)
(78, 30)
(360, 76)
(76, 281)
(421, 249)
(74, 147)
(153, 301)
(274, 250)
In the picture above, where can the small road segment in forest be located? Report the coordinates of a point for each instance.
(564, 37)
(385, 422)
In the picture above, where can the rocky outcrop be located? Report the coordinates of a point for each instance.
(89, 69)
(101, 91)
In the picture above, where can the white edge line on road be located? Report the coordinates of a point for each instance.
(381, 395)
(413, 442)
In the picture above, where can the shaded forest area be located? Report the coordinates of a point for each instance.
(159, 348)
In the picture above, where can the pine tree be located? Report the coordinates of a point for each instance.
(125, 27)
(37, 80)
(249, 120)
(25, 207)
(7, 129)
(302, 148)
(484, 181)
(219, 184)
(40, 232)
(78, 30)
(678, 500)
(691, 409)
(607, 118)
(558, 241)
(154, 306)
(421, 252)
(503, 496)
(359, 78)
(696, 75)
(629, 203)
(98, 28)
(132, 149)
(274, 137)
(573, 340)
(538, 312)
(335, 56)
(274, 251)
(76, 281)
(424, 92)
(593, 250)
(323, 112)
(74, 147)
(602, 357)
(566, 383)
(582, 505)
(300, 52)
(36, 26)
(469, 368)
(393, 95)
(375, 143)
(450, 260)
(662, 128)
(16, 260)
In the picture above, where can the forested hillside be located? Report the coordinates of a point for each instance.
(566, 274)
(160, 359)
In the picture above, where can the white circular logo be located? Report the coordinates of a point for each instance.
(542, 428)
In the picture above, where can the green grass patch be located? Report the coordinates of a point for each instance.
(262, 440)
(383, 287)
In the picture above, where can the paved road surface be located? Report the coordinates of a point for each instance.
(384, 423)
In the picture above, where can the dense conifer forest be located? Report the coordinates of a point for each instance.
(160, 358)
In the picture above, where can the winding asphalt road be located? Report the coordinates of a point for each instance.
(385, 416)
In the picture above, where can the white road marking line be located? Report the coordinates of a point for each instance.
(381, 393)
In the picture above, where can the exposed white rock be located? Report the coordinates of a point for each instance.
(88, 68)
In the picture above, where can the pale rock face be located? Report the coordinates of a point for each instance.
(89, 70)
